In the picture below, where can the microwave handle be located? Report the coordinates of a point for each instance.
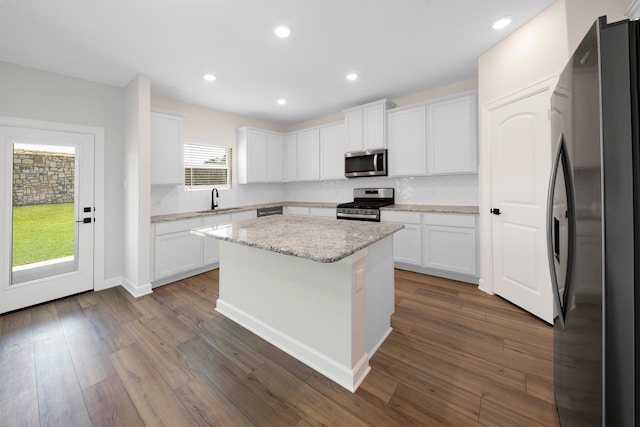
(375, 162)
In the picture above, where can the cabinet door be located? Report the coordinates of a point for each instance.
(211, 253)
(452, 141)
(308, 143)
(239, 216)
(291, 158)
(449, 243)
(407, 142)
(407, 243)
(323, 212)
(295, 210)
(373, 127)
(332, 149)
(166, 149)
(275, 161)
(256, 156)
(354, 133)
(176, 250)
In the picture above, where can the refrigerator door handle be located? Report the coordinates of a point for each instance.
(563, 302)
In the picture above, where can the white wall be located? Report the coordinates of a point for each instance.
(216, 127)
(34, 94)
(210, 126)
(137, 172)
(535, 52)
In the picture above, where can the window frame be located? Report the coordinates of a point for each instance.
(186, 164)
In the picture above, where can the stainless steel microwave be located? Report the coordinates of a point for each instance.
(365, 163)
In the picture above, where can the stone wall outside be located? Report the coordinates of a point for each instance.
(42, 178)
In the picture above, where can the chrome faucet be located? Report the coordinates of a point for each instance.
(214, 195)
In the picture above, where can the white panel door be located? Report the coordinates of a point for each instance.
(46, 215)
(519, 135)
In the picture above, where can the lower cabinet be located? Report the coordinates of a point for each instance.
(449, 243)
(407, 243)
(176, 253)
(176, 250)
(323, 212)
(318, 212)
(440, 244)
(210, 252)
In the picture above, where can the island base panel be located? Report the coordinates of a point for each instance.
(313, 311)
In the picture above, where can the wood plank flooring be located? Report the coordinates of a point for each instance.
(456, 357)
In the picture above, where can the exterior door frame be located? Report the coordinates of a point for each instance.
(486, 191)
(99, 181)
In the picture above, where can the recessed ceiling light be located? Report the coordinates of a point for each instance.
(282, 101)
(209, 77)
(282, 31)
(352, 76)
(501, 23)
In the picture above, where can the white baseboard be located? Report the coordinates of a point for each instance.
(484, 288)
(379, 343)
(136, 291)
(346, 376)
(438, 273)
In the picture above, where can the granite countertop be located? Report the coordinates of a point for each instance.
(317, 239)
(459, 209)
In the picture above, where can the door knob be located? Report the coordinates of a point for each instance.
(496, 211)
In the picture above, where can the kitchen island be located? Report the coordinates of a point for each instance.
(321, 290)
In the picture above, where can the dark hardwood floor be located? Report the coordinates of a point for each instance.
(456, 357)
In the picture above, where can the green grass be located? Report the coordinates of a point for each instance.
(42, 232)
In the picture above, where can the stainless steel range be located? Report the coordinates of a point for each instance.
(366, 204)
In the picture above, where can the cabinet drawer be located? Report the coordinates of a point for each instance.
(449, 220)
(296, 210)
(175, 226)
(323, 212)
(403, 217)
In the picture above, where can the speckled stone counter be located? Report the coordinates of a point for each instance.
(454, 209)
(317, 239)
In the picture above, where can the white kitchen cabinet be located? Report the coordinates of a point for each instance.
(407, 141)
(260, 156)
(366, 125)
(295, 210)
(210, 251)
(275, 157)
(452, 141)
(176, 250)
(332, 149)
(167, 167)
(407, 243)
(319, 212)
(291, 157)
(239, 216)
(449, 243)
(308, 154)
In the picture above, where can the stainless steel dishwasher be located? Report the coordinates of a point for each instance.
(274, 210)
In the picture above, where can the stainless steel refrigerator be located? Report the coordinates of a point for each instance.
(593, 229)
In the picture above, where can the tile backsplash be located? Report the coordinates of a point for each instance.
(433, 190)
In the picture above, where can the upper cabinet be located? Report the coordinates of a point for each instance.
(290, 157)
(434, 138)
(167, 166)
(366, 125)
(407, 141)
(452, 136)
(308, 154)
(332, 149)
(259, 156)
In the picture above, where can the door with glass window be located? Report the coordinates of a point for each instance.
(47, 215)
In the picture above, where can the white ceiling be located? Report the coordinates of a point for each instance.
(397, 47)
